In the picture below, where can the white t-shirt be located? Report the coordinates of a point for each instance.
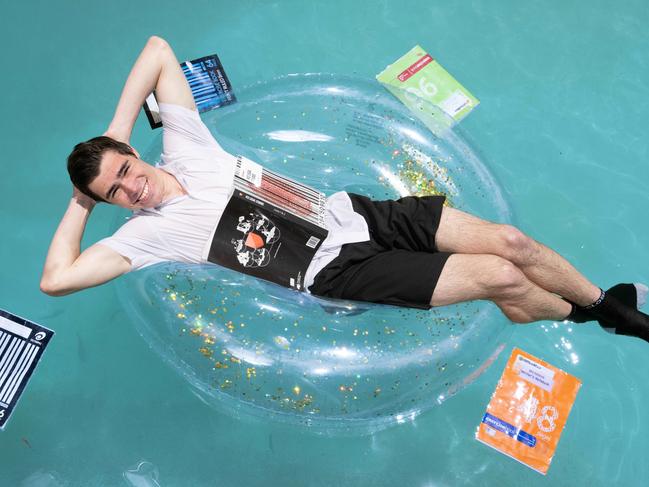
(181, 229)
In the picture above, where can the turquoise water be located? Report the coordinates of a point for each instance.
(561, 124)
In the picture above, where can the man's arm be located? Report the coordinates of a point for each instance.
(67, 269)
(155, 69)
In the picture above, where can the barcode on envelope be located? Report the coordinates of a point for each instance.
(21, 345)
(251, 176)
(17, 357)
(312, 242)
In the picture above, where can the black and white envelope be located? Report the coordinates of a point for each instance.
(22, 343)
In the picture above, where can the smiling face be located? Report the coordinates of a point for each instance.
(126, 181)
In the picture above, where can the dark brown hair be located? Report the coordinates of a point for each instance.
(85, 159)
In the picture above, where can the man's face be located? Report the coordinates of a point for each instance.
(129, 182)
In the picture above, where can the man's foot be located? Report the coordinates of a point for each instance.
(634, 295)
(612, 312)
(619, 315)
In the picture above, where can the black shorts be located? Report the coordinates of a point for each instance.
(399, 265)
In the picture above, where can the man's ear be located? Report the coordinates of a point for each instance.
(137, 154)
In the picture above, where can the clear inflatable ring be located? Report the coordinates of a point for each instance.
(253, 348)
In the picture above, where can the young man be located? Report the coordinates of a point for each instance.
(409, 252)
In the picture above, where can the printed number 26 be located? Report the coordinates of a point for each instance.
(426, 89)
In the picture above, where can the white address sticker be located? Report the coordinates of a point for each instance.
(250, 171)
(455, 103)
(534, 372)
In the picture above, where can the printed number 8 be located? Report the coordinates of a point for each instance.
(544, 417)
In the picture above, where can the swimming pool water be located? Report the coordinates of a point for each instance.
(562, 124)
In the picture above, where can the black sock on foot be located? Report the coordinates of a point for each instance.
(627, 293)
(578, 314)
(627, 320)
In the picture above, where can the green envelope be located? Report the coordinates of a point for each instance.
(428, 90)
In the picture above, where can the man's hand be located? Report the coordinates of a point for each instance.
(84, 201)
(115, 136)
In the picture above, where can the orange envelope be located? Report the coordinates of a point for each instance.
(528, 410)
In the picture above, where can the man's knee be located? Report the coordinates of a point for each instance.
(516, 246)
(504, 279)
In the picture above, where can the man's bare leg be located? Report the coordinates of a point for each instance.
(463, 233)
(467, 277)
(545, 269)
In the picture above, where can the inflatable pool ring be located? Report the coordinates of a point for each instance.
(251, 347)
